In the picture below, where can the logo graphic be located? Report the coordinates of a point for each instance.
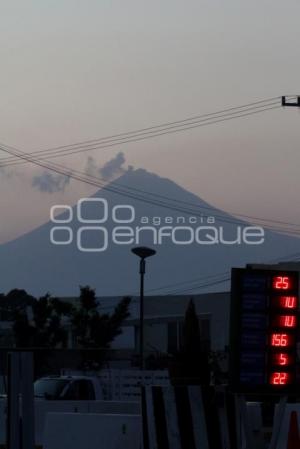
(119, 225)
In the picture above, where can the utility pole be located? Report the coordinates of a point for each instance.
(20, 402)
(142, 252)
(291, 103)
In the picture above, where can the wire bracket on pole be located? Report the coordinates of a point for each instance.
(290, 103)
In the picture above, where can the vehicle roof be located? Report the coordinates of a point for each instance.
(65, 377)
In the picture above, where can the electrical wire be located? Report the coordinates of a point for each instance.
(161, 196)
(64, 171)
(144, 133)
(96, 183)
(206, 281)
(225, 277)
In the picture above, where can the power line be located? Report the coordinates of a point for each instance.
(200, 286)
(193, 205)
(145, 133)
(208, 280)
(26, 158)
(88, 180)
(225, 277)
(96, 183)
(188, 282)
(221, 277)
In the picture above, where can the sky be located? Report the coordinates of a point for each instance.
(78, 70)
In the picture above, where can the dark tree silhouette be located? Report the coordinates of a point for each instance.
(93, 330)
(192, 361)
(16, 299)
(41, 324)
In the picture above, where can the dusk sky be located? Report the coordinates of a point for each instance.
(77, 70)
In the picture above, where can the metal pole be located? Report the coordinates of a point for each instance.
(13, 436)
(27, 379)
(142, 272)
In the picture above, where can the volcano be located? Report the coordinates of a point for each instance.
(90, 243)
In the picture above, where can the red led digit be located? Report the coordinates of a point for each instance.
(281, 340)
(281, 378)
(288, 302)
(281, 282)
(282, 359)
(285, 302)
(288, 321)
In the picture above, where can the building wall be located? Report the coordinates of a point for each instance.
(160, 309)
(214, 305)
(156, 337)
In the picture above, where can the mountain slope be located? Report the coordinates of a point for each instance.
(33, 263)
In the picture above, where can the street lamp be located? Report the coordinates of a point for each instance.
(142, 252)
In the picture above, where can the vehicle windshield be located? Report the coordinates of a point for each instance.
(49, 388)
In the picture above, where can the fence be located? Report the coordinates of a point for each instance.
(125, 385)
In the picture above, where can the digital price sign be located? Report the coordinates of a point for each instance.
(263, 330)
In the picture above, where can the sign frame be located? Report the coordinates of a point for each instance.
(259, 295)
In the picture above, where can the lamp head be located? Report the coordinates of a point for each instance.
(143, 252)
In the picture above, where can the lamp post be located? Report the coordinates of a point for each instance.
(142, 252)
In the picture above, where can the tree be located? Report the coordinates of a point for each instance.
(41, 324)
(40, 327)
(16, 299)
(192, 360)
(94, 331)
